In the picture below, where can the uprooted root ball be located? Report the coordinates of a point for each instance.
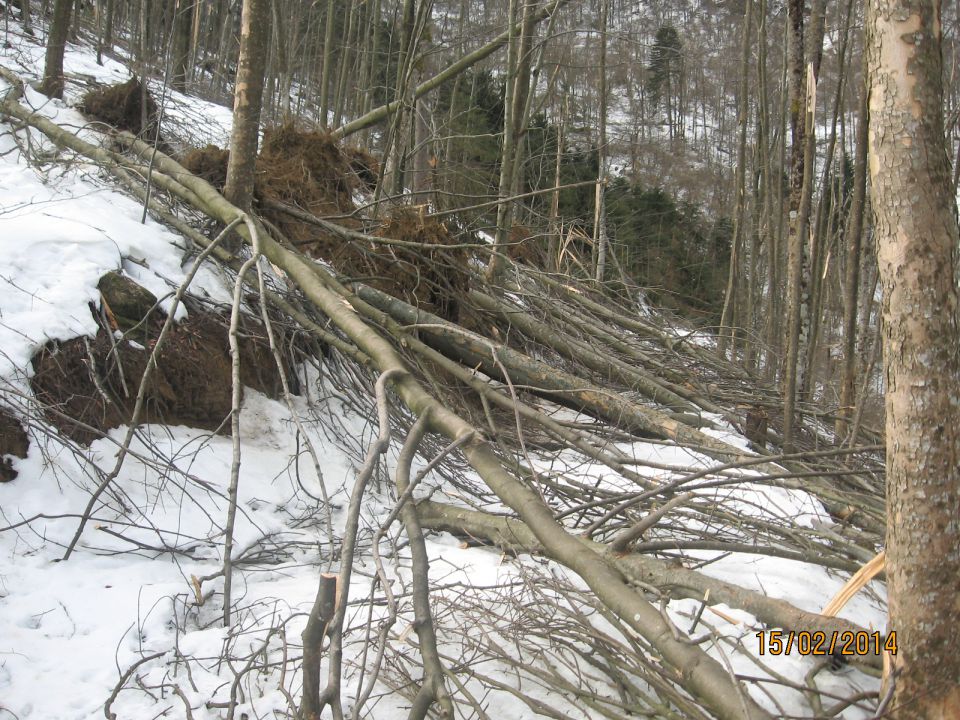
(95, 380)
(126, 106)
(308, 170)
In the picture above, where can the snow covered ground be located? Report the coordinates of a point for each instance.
(69, 631)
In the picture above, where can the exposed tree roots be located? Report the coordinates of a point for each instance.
(544, 377)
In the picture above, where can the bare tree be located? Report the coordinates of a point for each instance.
(248, 102)
(729, 303)
(917, 239)
(599, 214)
(52, 84)
(852, 274)
(801, 156)
(182, 29)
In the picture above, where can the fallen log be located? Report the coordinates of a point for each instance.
(695, 671)
(675, 580)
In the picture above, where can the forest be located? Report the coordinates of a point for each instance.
(453, 359)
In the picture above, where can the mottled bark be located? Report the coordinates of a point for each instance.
(248, 102)
(917, 239)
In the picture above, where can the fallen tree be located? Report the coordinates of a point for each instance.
(406, 346)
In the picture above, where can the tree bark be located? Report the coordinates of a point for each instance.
(599, 209)
(327, 66)
(851, 290)
(25, 17)
(917, 241)
(52, 84)
(726, 329)
(247, 102)
(507, 152)
(182, 27)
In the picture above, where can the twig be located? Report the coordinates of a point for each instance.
(123, 681)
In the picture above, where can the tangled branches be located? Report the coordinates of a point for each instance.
(590, 447)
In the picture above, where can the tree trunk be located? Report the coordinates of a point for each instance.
(917, 240)
(726, 329)
(182, 28)
(108, 24)
(347, 63)
(247, 102)
(599, 214)
(52, 84)
(851, 290)
(507, 152)
(25, 17)
(556, 230)
(327, 66)
(799, 187)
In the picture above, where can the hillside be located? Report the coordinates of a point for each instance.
(247, 453)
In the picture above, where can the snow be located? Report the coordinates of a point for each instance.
(68, 630)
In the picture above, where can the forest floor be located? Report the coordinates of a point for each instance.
(136, 589)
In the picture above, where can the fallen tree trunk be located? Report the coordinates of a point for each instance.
(670, 578)
(610, 581)
(495, 359)
(577, 352)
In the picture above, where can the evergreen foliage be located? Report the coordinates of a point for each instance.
(666, 65)
(669, 247)
(470, 111)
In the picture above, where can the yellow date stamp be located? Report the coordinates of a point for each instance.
(819, 643)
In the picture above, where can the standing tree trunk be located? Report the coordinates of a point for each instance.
(182, 29)
(247, 102)
(727, 331)
(504, 209)
(327, 66)
(515, 114)
(917, 240)
(52, 85)
(25, 17)
(599, 214)
(796, 241)
(108, 24)
(851, 290)
(553, 246)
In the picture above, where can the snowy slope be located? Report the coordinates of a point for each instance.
(69, 631)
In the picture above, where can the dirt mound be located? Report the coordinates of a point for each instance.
(13, 442)
(95, 380)
(122, 106)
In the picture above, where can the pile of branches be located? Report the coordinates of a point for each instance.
(540, 377)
